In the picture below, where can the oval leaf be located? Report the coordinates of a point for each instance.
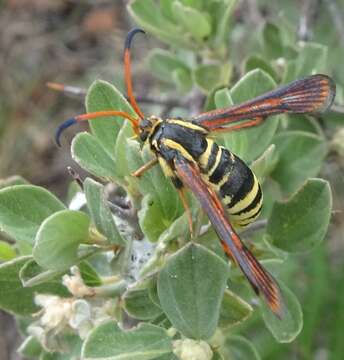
(23, 208)
(284, 330)
(16, 299)
(58, 239)
(108, 341)
(88, 152)
(190, 286)
(103, 96)
(300, 156)
(301, 222)
(138, 304)
(100, 211)
(234, 310)
(239, 348)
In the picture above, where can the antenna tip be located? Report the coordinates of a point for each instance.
(66, 124)
(130, 37)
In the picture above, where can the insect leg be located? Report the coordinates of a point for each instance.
(182, 195)
(139, 172)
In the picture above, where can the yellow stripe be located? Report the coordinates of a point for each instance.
(187, 125)
(247, 200)
(242, 223)
(244, 216)
(176, 146)
(217, 161)
(204, 158)
(166, 169)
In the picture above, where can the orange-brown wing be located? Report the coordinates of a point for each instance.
(312, 94)
(261, 281)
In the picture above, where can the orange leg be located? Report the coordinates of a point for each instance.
(145, 167)
(250, 123)
(184, 200)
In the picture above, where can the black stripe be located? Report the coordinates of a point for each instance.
(253, 204)
(224, 166)
(239, 221)
(212, 157)
(239, 184)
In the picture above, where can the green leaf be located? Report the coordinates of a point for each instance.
(240, 143)
(150, 218)
(190, 285)
(208, 77)
(301, 222)
(239, 348)
(183, 80)
(121, 165)
(300, 156)
(58, 239)
(272, 41)
(23, 208)
(89, 274)
(6, 251)
(31, 274)
(108, 341)
(163, 63)
(30, 348)
(287, 329)
(137, 304)
(312, 59)
(88, 152)
(234, 310)
(149, 16)
(103, 96)
(16, 299)
(100, 211)
(195, 22)
(265, 164)
(256, 62)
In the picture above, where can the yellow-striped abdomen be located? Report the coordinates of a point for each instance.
(234, 182)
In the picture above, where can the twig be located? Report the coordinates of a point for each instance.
(81, 92)
(307, 19)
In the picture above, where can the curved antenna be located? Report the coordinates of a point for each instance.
(66, 124)
(127, 70)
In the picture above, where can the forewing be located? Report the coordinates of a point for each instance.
(261, 281)
(312, 94)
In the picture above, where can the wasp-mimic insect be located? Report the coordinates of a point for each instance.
(224, 185)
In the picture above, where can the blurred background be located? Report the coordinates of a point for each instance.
(75, 42)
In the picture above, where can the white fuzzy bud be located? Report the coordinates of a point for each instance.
(189, 349)
(56, 311)
(75, 284)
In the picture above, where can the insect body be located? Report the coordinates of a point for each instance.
(220, 169)
(226, 188)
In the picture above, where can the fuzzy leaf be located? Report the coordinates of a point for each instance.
(137, 304)
(16, 299)
(190, 285)
(58, 239)
(163, 63)
(100, 211)
(23, 208)
(108, 341)
(234, 310)
(88, 152)
(285, 331)
(300, 156)
(103, 96)
(301, 222)
(195, 22)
